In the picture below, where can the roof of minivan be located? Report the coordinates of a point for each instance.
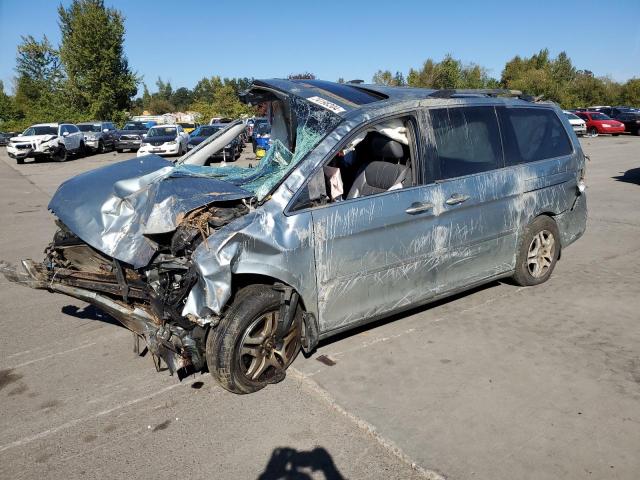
(346, 97)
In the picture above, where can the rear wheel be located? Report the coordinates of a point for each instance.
(538, 252)
(243, 353)
(100, 147)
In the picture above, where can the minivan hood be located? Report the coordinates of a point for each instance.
(116, 207)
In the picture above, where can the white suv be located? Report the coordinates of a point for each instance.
(47, 140)
(164, 140)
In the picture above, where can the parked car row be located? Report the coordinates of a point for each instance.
(609, 120)
(57, 141)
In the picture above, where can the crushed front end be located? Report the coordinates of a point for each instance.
(147, 300)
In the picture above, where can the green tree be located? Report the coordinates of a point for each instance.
(182, 98)
(301, 76)
(631, 92)
(100, 81)
(39, 70)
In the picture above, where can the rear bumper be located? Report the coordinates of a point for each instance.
(572, 223)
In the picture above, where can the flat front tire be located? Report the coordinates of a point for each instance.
(538, 252)
(242, 352)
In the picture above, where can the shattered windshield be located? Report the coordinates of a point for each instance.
(312, 124)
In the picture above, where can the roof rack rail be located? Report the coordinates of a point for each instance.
(490, 92)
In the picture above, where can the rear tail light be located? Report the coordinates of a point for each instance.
(582, 186)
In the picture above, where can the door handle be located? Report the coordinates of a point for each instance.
(419, 207)
(456, 198)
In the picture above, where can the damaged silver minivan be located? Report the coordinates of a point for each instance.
(371, 200)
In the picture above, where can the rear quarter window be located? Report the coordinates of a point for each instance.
(532, 134)
(467, 141)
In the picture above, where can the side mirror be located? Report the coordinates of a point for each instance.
(65, 134)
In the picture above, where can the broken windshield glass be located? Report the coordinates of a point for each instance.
(312, 123)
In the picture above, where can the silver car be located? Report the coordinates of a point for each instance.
(371, 200)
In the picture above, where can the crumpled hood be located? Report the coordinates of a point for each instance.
(33, 138)
(112, 208)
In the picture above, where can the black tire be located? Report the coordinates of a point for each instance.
(253, 309)
(61, 155)
(100, 147)
(593, 131)
(119, 150)
(82, 150)
(20, 161)
(538, 252)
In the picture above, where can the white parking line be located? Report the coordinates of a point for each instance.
(47, 357)
(71, 423)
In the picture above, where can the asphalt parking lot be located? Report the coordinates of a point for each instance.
(501, 382)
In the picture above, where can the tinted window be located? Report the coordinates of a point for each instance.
(532, 134)
(72, 129)
(467, 140)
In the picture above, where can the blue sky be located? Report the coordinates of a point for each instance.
(182, 41)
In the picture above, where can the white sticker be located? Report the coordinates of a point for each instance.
(326, 104)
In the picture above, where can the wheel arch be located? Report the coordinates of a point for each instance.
(242, 280)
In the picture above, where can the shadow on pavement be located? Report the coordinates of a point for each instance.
(291, 464)
(630, 176)
(89, 312)
(399, 316)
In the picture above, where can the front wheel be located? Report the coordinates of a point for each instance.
(100, 147)
(243, 353)
(60, 155)
(593, 131)
(538, 252)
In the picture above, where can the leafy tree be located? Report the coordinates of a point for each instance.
(158, 105)
(301, 76)
(39, 70)
(385, 77)
(165, 90)
(100, 81)
(631, 92)
(182, 98)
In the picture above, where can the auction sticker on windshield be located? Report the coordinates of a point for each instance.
(326, 104)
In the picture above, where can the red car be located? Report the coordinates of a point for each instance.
(598, 123)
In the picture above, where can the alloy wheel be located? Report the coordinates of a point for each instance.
(541, 253)
(260, 356)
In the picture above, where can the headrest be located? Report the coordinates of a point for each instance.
(384, 175)
(387, 148)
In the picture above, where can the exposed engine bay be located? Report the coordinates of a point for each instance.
(147, 300)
